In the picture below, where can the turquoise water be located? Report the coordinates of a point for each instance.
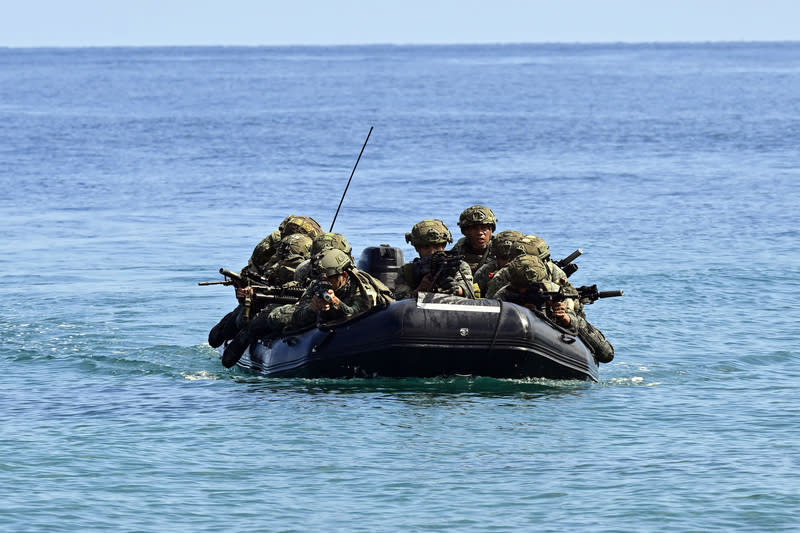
(129, 175)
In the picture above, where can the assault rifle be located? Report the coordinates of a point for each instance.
(237, 280)
(264, 293)
(567, 264)
(589, 294)
(537, 295)
(231, 278)
(439, 265)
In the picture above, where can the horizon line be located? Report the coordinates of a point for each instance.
(421, 44)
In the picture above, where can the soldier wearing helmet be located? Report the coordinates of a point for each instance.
(279, 274)
(527, 275)
(477, 224)
(342, 292)
(532, 245)
(434, 270)
(326, 241)
(499, 256)
(264, 267)
(350, 292)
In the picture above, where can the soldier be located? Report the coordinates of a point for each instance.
(434, 270)
(527, 276)
(527, 245)
(351, 293)
(290, 252)
(326, 241)
(499, 257)
(259, 266)
(477, 224)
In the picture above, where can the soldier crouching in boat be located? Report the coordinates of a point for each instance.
(528, 286)
(341, 292)
(260, 267)
(434, 270)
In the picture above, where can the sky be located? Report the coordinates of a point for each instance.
(78, 23)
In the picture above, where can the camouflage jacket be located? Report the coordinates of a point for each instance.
(458, 282)
(302, 274)
(474, 259)
(262, 253)
(484, 275)
(359, 294)
(501, 278)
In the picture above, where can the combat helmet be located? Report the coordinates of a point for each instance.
(502, 242)
(332, 262)
(297, 224)
(427, 232)
(330, 240)
(526, 269)
(529, 245)
(477, 215)
(294, 246)
(537, 246)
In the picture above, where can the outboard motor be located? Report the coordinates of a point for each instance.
(383, 262)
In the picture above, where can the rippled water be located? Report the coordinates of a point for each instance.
(130, 174)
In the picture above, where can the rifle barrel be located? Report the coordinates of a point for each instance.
(610, 294)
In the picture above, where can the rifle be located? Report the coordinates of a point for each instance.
(438, 264)
(231, 278)
(567, 264)
(278, 295)
(589, 294)
(536, 294)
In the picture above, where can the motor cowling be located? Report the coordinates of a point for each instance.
(383, 262)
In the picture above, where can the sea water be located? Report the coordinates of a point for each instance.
(130, 174)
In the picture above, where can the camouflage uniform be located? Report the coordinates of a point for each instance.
(499, 252)
(528, 268)
(246, 322)
(262, 254)
(359, 294)
(533, 245)
(457, 281)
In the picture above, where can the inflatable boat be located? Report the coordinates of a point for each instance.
(432, 335)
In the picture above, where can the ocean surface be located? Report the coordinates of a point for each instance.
(130, 174)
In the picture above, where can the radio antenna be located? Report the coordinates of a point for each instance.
(351, 178)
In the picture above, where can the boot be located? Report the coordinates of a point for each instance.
(234, 351)
(225, 329)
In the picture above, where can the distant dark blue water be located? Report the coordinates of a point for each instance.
(128, 175)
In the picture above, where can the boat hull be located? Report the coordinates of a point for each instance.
(434, 335)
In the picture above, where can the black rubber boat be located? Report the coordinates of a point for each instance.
(434, 335)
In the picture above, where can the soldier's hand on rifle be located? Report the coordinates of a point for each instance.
(320, 304)
(244, 292)
(425, 284)
(559, 313)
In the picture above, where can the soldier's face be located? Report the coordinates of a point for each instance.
(429, 249)
(478, 235)
(337, 281)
